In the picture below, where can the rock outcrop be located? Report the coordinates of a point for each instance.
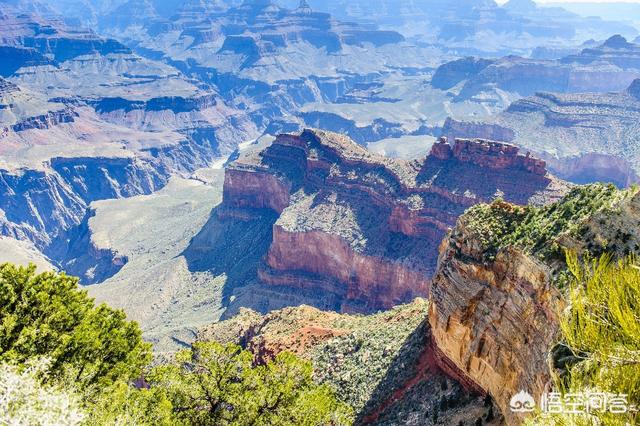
(496, 297)
(361, 229)
(46, 121)
(495, 322)
(465, 129)
(634, 89)
(382, 364)
(452, 73)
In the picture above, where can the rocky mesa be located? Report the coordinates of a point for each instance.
(584, 137)
(493, 313)
(359, 232)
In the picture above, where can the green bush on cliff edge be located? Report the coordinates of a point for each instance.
(601, 337)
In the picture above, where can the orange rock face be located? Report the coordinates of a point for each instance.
(494, 322)
(255, 190)
(368, 282)
(297, 330)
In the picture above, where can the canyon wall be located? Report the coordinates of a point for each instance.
(466, 129)
(42, 205)
(583, 137)
(496, 301)
(363, 229)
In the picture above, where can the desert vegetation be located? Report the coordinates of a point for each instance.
(600, 349)
(536, 229)
(65, 361)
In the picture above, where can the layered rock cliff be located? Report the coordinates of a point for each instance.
(41, 205)
(83, 119)
(495, 322)
(611, 66)
(496, 295)
(363, 230)
(585, 137)
(498, 292)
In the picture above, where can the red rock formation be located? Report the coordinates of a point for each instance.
(366, 228)
(371, 281)
(497, 156)
(442, 150)
(255, 190)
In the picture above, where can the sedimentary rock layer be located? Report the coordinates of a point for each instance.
(364, 229)
(495, 318)
(494, 322)
(585, 137)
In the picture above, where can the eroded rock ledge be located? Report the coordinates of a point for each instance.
(381, 364)
(493, 322)
(496, 297)
(362, 229)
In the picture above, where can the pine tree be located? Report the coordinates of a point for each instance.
(47, 316)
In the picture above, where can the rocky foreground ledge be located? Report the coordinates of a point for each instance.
(382, 365)
(499, 288)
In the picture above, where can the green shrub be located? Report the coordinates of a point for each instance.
(601, 329)
(93, 355)
(46, 315)
(536, 229)
(219, 384)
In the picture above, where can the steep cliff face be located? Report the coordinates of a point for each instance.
(45, 121)
(361, 229)
(495, 322)
(78, 255)
(37, 205)
(41, 205)
(611, 66)
(498, 291)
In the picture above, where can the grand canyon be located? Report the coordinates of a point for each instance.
(394, 193)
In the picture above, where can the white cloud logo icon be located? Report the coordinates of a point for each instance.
(522, 402)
